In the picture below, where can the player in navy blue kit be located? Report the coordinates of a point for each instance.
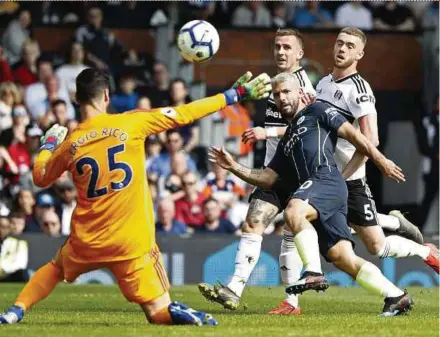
(319, 196)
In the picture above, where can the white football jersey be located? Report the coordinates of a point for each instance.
(353, 98)
(273, 117)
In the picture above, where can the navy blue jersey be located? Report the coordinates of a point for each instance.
(309, 142)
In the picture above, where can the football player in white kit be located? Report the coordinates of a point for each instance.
(345, 90)
(264, 205)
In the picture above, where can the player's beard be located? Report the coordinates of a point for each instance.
(292, 111)
(344, 65)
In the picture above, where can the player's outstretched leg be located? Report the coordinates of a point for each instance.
(396, 246)
(297, 216)
(290, 269)
(397, 223)
(162, 311)
(260, 215)
(38, 288)
(370, 278)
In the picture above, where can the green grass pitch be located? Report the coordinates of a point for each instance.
(95, 310)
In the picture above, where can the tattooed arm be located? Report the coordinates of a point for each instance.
(261, 178)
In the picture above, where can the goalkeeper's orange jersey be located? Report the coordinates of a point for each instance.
(113, 219)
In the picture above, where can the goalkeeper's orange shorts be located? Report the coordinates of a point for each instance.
(140, 280)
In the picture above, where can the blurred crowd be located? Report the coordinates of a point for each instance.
(37, 90)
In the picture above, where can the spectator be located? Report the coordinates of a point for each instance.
(178, 91)
(174, 143)
(71, 125)
(18, 222)
(392, 15)
(224, 190)
(279, 15)
(431, 164)
(312, 16)
(68, 195)
(7, 166)
(214, 223)
(25, 203)
(27, 72)
(97, 40)
(138, 14)
(41, 109)
(166, 223)
(45, 202)
(159, 90)
(36, 92)
(15, 35)
(172, 184)
(5, 69)
(126, 98)
(9, 96)
(189, 209)
(354, 14)
(144, 103)
(50, 223)
(59, 110)
(152, 150)
(19, 117)
(67, 73)
(13, 255)
(19, 153)
(251, 14)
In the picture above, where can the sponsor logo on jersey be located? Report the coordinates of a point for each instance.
(294, 137)
(271, 112)
(365, 98)
(300, 120)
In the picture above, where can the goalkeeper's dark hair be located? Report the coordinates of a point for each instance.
(291, 32)
(90, 85)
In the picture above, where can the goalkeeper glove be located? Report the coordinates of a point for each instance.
(53, 137)
(245, 88)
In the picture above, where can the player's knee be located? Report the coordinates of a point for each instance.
(375, 248)
(294, 213)
(253, 226)
(341, 254)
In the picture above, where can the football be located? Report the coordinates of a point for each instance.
(198, 41)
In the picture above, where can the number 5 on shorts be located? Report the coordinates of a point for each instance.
(368, 212)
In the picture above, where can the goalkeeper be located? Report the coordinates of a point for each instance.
(112, 226)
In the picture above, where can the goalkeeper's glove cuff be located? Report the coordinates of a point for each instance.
(234, 95)
(50, 144)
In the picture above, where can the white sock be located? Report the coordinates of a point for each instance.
(248, 253)
(290, 265)
(371, 279)
(397, 246)
(307, 244)
(389, 222)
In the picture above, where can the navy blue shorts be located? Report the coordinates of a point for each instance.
(278, 195)
(326, 191)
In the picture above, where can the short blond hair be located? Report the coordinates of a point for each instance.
(285, 77)
(355, 32)
(291, 32)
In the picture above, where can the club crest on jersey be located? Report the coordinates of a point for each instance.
(300, 120)
(338, 95)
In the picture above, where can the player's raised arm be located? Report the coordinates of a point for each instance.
(262, 178)
(368, 127)
(364, 146)
(53, 159)
(163, 119)
(258, 133)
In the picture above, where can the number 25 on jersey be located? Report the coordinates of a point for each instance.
(92, 190)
